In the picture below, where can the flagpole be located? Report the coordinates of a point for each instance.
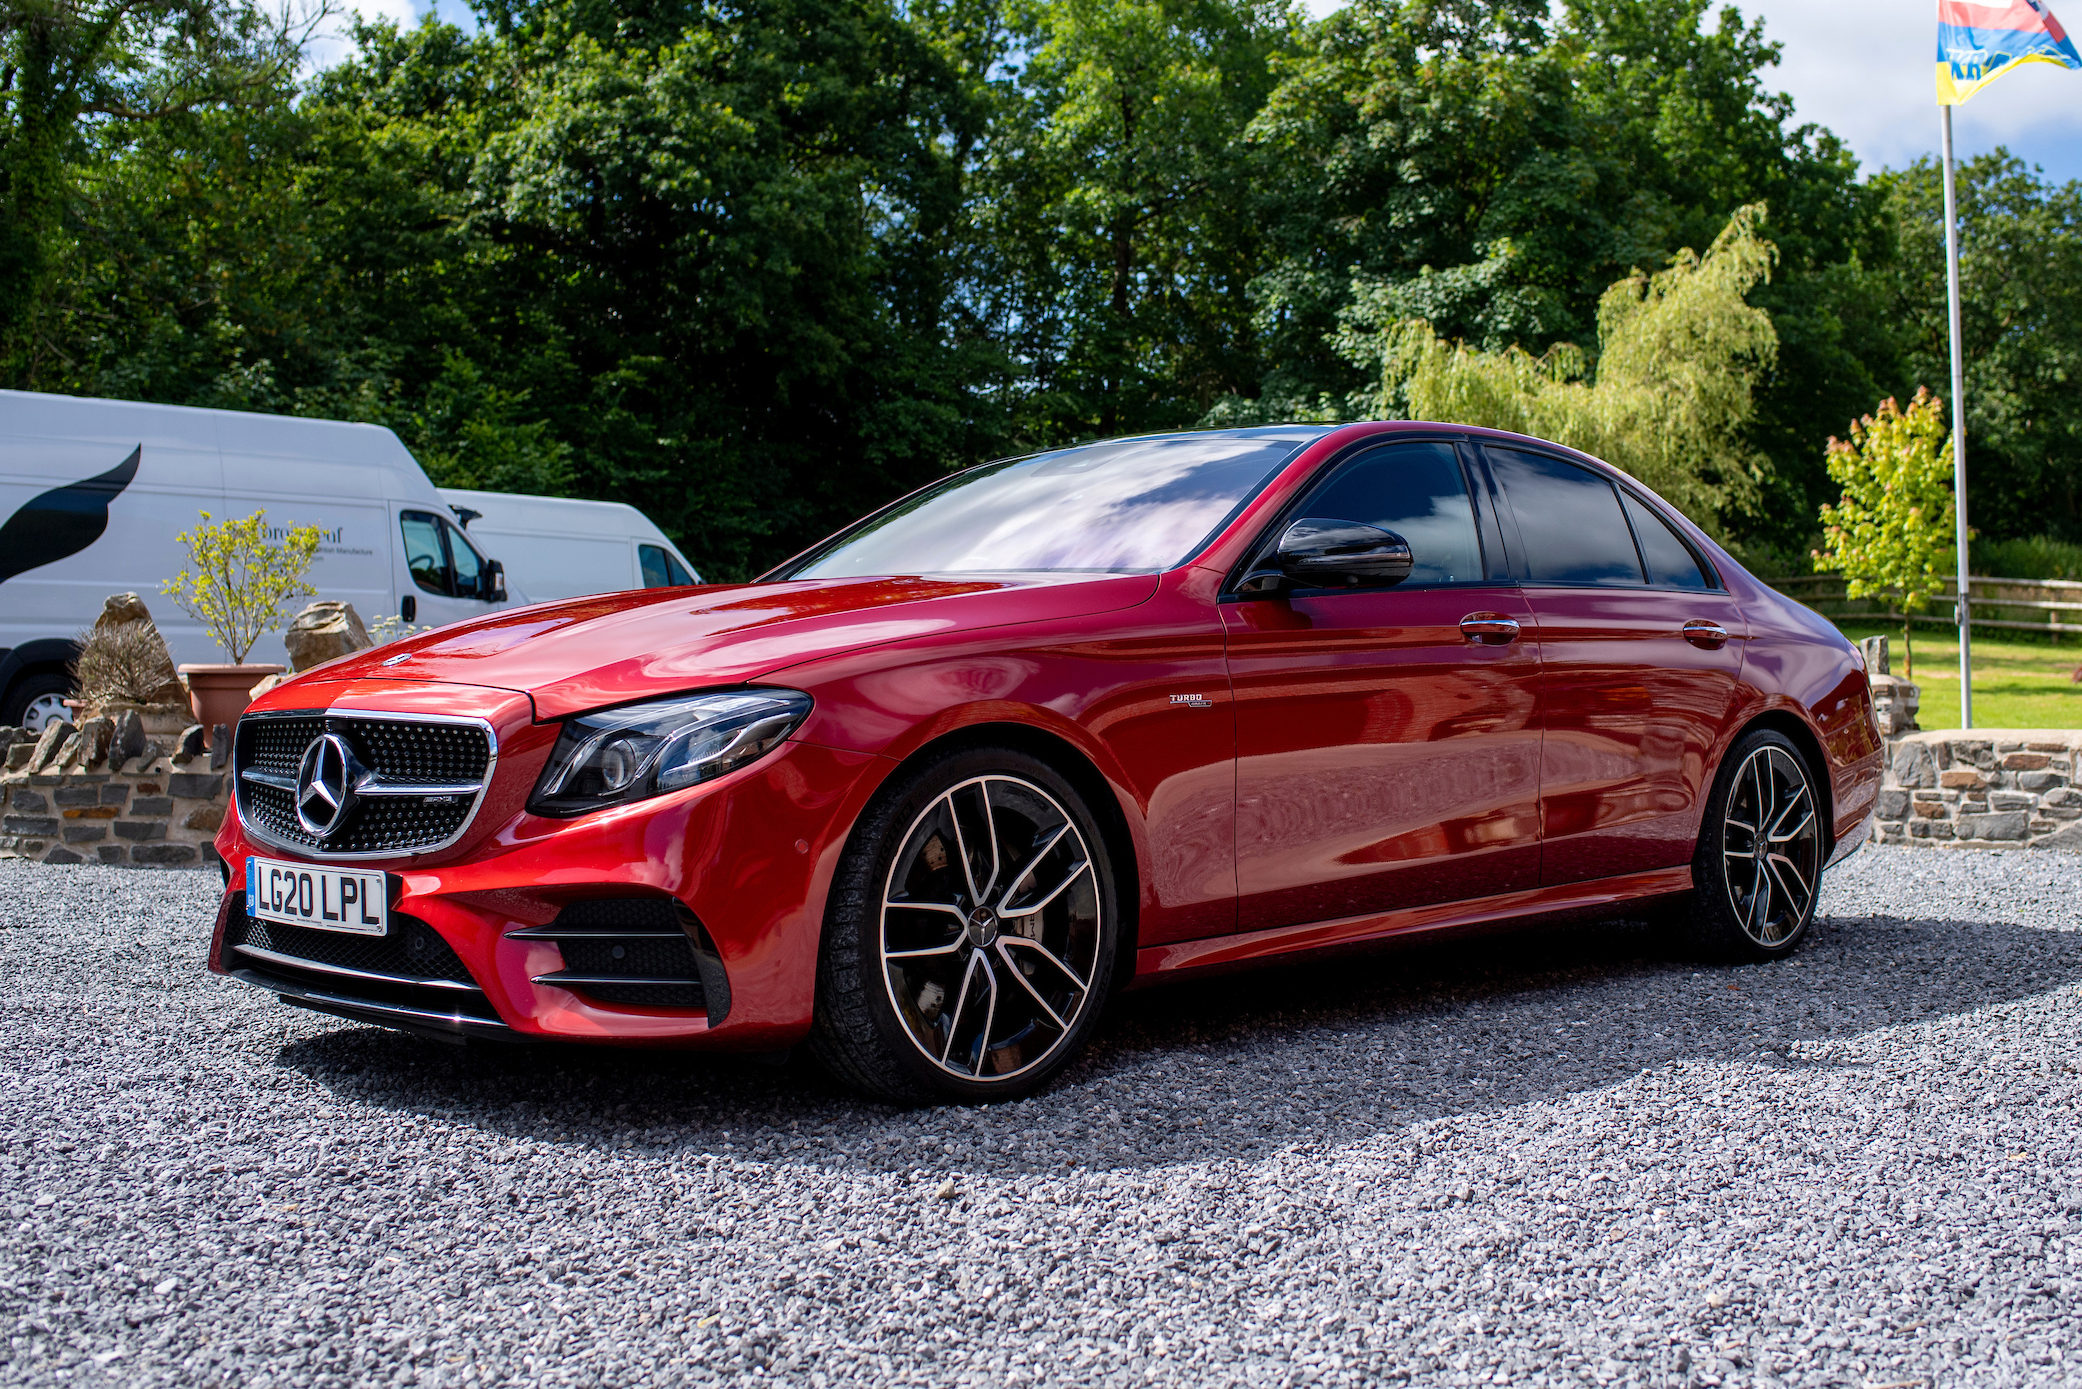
(1964, 612)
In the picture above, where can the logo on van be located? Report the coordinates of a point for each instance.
(63, 521)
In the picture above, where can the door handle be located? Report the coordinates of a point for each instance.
(1489, 629)
(1710, 636)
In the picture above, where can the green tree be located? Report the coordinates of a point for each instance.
(1892, 532)
(1680, 353)
(2020, 266)
(69, 66)
(1116, 197)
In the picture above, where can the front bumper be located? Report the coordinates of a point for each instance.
(748, 858)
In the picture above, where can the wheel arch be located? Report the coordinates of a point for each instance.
(1797, 732)
(1082, 773)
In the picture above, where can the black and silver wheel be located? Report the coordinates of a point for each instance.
(1758, 869)
(37, 701)
(971, 936)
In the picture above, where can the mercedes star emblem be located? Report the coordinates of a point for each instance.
(325, 785)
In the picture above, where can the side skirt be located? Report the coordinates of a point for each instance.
(1250, 947)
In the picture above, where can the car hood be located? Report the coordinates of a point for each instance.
(583, 653)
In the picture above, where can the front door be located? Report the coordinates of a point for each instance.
(1388, 750)
(1641, 654)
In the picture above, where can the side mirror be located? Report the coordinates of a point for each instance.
(493, 584)
(1320, 553)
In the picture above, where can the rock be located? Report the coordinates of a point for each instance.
(129, 740)
(1874, 650)
(325, 631)
(96, 735)
(119, 608)
(50, 745)
(267, 683)
(220, 746)
(205, 817)
(18, 756)
(191, 744)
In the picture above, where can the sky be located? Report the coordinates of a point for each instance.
(1862, 68)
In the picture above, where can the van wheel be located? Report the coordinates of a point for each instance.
(971, 936)
(36, 700)
(1757, 872)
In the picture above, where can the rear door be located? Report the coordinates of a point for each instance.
(1388, 750)
(1641, 656)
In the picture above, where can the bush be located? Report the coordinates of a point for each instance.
(242, 578)
(2035, 557)
(124, 663)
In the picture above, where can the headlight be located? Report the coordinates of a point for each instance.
(639, 750)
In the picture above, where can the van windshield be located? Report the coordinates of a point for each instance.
(1123, 506)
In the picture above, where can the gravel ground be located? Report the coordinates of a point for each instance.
(1523, 1160)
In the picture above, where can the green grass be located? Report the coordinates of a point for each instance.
(2021, 679)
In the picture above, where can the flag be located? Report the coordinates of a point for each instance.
(1977, 43)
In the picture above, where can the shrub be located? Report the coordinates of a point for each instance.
(243, 576)
(124, 663)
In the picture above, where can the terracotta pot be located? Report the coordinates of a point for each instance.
(219, 694)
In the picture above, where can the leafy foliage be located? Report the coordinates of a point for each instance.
(1679, 353)
(244, 573)
(1892, 533)
(756, 266)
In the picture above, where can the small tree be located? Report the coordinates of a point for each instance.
(1892, 532)
(244, 573)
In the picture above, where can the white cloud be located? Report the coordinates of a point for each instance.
(332, 44)
(1865, 69)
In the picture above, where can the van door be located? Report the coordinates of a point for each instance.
(442, 577)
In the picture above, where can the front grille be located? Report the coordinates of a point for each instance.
(628, 950)
(412, 968)
(403, 753)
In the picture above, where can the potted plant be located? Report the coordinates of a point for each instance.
(244, 574)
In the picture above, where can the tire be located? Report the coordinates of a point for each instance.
(1756, 876)
(35, 697)
(923, 997)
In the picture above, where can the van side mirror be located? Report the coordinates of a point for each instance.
(1319, 553)
(494, 581)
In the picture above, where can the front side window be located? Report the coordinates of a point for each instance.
(424, 554)
(1125, 506)
(661, 570)
(1419, 492)
(1568, 520)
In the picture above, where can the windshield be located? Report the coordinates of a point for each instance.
(1125, 506)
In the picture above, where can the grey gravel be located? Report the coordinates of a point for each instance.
(1536, 1158)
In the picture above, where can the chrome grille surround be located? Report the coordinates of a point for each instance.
(412, 758)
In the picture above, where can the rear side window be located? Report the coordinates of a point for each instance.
(1670, 562)
(1569, 521)
(1419, 492)
(660, 569)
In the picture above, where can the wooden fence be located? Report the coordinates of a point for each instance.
(1996, 602)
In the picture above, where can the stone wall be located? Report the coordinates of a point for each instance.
(157, 807)
(1983, 788)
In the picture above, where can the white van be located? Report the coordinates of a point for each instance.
(93, 492)
(561, 547)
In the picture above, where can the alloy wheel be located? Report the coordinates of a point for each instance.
(1771, 846)
(991, 928)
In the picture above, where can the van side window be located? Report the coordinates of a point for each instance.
(424, 554)
(660, 569)
(469, 565)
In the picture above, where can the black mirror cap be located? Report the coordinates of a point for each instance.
(1316, 551)
(495, 580)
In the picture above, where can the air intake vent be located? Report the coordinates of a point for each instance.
(644, 952)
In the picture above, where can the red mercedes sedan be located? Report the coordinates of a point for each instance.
(923, 796)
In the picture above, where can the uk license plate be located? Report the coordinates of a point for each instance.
(327, 899)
